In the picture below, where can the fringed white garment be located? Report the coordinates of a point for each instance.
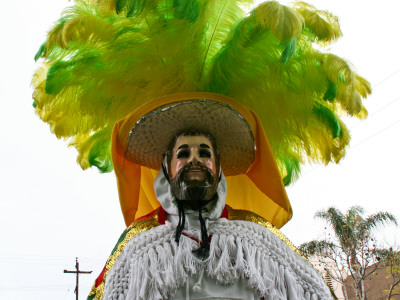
(153, 266)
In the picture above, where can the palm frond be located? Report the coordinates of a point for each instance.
(317, 248)
(343, 230)
(378, 219)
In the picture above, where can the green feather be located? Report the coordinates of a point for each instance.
(222, 16)
(331, 92)
(103, 164)
(290, 48)
(187, 9)
(133, 8)
(61, 74)
(41, 51)
(100, 151)
(292, 167)
(326, 116)
(120, 5)
(245, 56)
(57, 75)
(125, 30)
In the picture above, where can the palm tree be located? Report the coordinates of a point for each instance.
(352, 247)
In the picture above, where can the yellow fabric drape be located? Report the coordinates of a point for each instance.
(260, 190)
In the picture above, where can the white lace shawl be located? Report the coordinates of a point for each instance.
(152, 266)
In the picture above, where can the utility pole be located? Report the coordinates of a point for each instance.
(77, 272)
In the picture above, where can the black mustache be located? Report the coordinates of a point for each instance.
(193, 166)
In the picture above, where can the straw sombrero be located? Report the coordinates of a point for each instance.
(150, 136)
(141, 138)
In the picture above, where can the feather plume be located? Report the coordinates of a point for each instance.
(106, 5)
(363, 87)
(282, 20)
(221, 17)
(105, 58)
(322, 24)
(187, 9)
(133, 8)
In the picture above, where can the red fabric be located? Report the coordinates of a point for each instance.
(197, 241)
(162, 216)
(225, 213)
(100, 278)
(148, 216)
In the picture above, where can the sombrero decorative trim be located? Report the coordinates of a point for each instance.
(150, 136)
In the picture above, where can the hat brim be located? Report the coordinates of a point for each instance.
(150, 137)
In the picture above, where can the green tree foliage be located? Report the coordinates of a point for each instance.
(351, 249)
(392, 263)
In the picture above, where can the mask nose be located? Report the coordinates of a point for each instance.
(194, 160)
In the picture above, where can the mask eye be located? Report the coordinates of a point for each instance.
(205, 153)
(183, 154)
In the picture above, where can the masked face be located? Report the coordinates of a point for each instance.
(193, 169)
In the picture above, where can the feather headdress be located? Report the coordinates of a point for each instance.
(105, 58)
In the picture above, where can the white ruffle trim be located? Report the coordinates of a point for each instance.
(152, 266)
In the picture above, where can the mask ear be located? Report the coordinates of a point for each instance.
(165, 168)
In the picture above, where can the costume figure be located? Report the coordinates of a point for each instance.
(194, 246)
(130, 76)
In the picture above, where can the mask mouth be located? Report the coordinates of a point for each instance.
(194, 168)
(196, 173)
(194, 183)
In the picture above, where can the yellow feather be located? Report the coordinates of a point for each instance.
(282, 20)
(323, 24)
(363, 86)
(363, 114)
(107, 5)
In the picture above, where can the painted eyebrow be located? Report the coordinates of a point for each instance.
(183, 146)
(187, 146)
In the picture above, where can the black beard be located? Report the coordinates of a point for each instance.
(194, 190)
(194, 194)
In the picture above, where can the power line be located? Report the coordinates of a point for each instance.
(377, 111)
(22, 288)
(77, 272)
(43, 260)
(66, 293)
(361, 142)
(388, 77)
(375, 134)
(385, 106)
(369, 117)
